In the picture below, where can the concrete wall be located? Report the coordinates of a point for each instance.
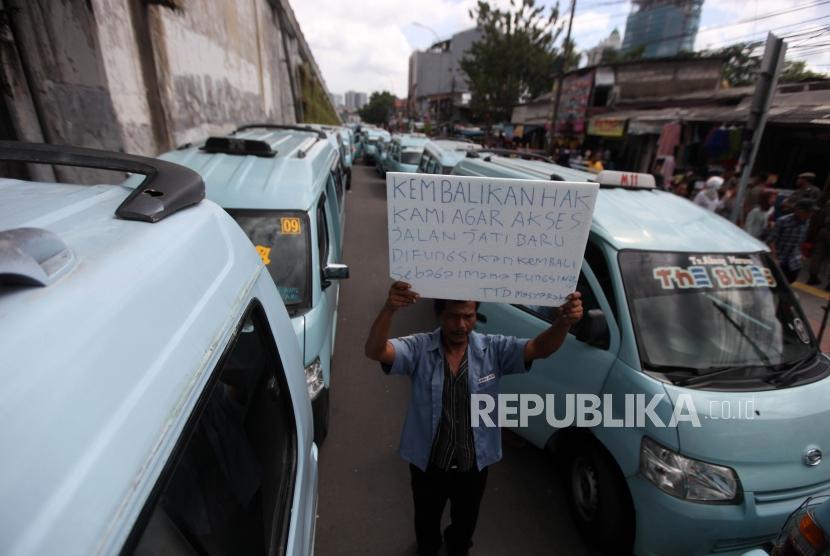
(60, 52)
(144, 76)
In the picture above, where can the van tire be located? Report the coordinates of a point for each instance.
(598, 497)
(320, 414)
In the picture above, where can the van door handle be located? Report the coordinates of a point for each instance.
(481, 317)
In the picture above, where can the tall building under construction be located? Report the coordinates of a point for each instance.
(662, 27)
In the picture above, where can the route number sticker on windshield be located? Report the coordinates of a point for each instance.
(264, 254)
(290, 225)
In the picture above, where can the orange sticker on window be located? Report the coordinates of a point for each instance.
(264, 254)
(290, 226)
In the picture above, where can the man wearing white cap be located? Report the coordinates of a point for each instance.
(708, 197)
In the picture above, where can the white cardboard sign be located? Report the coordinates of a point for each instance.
(488, 239)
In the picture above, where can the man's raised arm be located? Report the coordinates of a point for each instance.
(378, 347)
(546, 343)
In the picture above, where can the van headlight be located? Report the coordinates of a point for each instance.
(687, 478)
(314, 378)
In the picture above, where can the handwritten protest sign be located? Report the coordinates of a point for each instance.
(488, 239)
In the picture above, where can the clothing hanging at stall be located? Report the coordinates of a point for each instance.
(669, 139)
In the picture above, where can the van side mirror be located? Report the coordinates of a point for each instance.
(336, 272)
(593, 329)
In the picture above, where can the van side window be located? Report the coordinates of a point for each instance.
(338, 183)
(550, 314)
(598, 263)
(424, 163)
(322, 233)
(228, 487)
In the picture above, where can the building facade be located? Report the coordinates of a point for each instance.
(437, 85)
(355, 100)
(662, 28)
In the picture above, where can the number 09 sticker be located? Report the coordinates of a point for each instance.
(290, 226)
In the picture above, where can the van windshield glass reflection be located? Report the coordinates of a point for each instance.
(704, 311)
(282, 240)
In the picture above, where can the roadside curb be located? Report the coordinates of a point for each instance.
(811, 290)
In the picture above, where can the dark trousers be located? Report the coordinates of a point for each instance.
(430, 491)
(790, 275)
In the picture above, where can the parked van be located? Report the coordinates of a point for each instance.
(404, 153)
(371, 137)
(284, 185)
(441, 155)
(340, 137)
(687, 312)
(153, 396)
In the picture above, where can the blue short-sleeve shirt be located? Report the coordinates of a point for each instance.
(421, 357)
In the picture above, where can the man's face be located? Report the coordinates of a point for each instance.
(457, 320)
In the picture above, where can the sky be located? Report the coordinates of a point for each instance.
(364, 45)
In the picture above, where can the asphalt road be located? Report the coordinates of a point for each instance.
(365, 504)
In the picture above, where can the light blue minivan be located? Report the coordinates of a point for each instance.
(341, 140)
(685, 311)
(285, 186)
(404, 153)
(441, 155)
(371, 137)
(153, 397)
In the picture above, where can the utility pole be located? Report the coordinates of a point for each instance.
(771, 67)
(561, 76)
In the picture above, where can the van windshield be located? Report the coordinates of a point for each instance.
(703, 312)
(410, 157)
(282, 240)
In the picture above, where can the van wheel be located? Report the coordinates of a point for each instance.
(599, 499)
(320, 413)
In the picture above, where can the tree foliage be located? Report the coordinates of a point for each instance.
(796, 70)
(613, 55)
(515, 59)
(743, 62)
(379, 108)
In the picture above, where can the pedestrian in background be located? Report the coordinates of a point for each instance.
(757, 220)
(728, 194)
(657, 172)
(595, 162)
(788, 234)
(804, 189)
(821, 247)
(708, 197)
(448, 457)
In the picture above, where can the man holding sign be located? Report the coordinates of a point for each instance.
(449, 456)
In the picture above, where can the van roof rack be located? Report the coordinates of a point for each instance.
(167, 187)
(234, 145)
(320, 133)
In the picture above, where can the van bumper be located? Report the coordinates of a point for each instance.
(668, 525)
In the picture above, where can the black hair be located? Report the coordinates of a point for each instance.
(438, 305)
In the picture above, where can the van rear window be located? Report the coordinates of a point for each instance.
(281, 238)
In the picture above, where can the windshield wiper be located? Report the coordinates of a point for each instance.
(693, 374)
(781, 378)
(706, 374)
(761, 353)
